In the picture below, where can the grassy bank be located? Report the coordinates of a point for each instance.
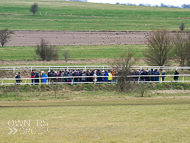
(75, 16)
(89, 91)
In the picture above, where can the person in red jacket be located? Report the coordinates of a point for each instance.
(32, 76)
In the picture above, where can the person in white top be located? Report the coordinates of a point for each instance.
(95, 78)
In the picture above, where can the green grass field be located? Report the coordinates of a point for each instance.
(76, 52)
(97, 117)
(76, 16)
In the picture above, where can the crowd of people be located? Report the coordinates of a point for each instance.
(53, 76)
(68, 73)
(153, 72)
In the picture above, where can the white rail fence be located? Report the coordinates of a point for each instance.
(105, 67)
(134, 79)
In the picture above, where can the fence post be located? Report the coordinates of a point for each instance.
(13, 69)
(15, 87)
(72, 81)
(52, 84)
(31, 68)
(49, 68)
(161, 79)
(94, 85)
(2, 82)
(138, 79)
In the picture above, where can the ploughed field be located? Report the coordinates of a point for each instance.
(58, 38)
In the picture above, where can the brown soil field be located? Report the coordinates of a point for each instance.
(58, 38)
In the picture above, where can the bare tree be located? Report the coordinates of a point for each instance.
(159, 49)
(34, 8)
(46, 52)
(188, 51)
(122, 66)
(66, 55)
(181, 48)
(5, 35)
(182, 26)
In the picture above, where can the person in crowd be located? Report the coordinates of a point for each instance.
(137, 73)
(176, 77)
(65, 74)
(50, 75)
(152, 73)
(158, 78)
(106, 78)
(95, 77)
(149, 73)
(143, 72)
(75, 74)
(16, 75)
(155, 73)
(91, 74)
(109, 76)
(103, 74)
(44, 77)
(87, 74)
(99, 79)
(68, 79)
(32, 76)
(80, 74)
(41, 76)
(113, 74)
(55, 80)
(83, 78)
(18, 78)
(59, 75)
(163, 73)
(37, 78)
(62, 75)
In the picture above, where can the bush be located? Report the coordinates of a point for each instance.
(46, 52)
(66, 55)
(182, 26)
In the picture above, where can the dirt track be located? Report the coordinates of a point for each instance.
(32, 38)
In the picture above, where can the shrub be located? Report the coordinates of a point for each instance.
(182, 26)
(46, 52)
(66, 55)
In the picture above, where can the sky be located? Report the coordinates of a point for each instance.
(152, 2)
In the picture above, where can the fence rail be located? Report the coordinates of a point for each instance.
(105, 67)
(138, 79)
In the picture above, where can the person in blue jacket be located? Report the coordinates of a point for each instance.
(44, 78)
(106, 78)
